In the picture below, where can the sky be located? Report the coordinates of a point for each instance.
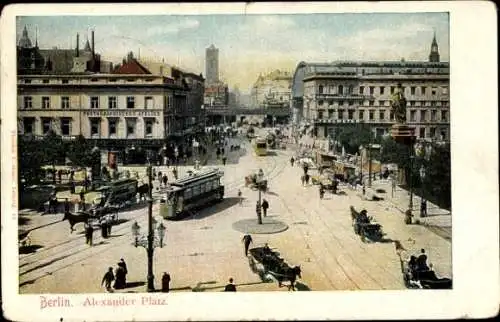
(249, 45)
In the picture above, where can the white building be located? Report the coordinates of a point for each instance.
(272, 90)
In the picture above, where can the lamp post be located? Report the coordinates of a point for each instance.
(422, 177)
(260, 178)
(410, 205)
(149, 242)
(361, 167)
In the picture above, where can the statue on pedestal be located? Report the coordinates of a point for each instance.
(398, 105)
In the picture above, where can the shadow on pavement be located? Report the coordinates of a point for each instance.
(29, 249)
(199, 288)
(301, 287)
(23, 220)
(134, 284)
(211, 210)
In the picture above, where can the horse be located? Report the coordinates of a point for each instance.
(290, 274)
(73, 219)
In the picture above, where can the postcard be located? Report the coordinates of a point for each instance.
(249, 161)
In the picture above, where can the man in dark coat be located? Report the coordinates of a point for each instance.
(165, 282)
(108, 278)
(230, 287)
(66, 206)
(82, 199)
(265, 206)
(89, 231)
(247, 240)
(120, 277)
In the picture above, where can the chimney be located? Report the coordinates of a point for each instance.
(92, 39)
(77, 45)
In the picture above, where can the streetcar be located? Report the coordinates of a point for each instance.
(260, 146)
(194, 191)
(116, 192)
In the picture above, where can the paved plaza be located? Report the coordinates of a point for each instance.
(204, 250)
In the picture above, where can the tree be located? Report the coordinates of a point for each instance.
(437, 181)
(30, 158)
(80, 152)
(352, 136)
(53, 148)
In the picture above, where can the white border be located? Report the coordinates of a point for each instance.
(474, 116)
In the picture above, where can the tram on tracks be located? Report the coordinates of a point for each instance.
(192, 192)
(260, 146)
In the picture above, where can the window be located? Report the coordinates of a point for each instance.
(65, 126)
(45, 81)
(361, 114)
(433, 132)
(444, 116)
(27, 81)
(381, 115)
(341, 89)
(422, 115)
(433, 115)
(371, 115)
(28, 124)
(422, 132)
(131, 122)
(392, 89)
(330, 102)
(196, 190)
(94, 102)
(341, 103)
(111, 102)
(330, 114)
(350, 114)
(46, 125)
(64, 102)
(65, 81)
(45, 102)
(382, 90)
(412, 115)
(372, 103)
(341, 114)
(372, 90)
(320, 89)
(350, 89)
(320, 115)
(28, 102)
(112, 126)
(412, 90)
(93, 79)
(130, 101)
(361, 90)
(443, 134)
(95, 127)
(434, 91)
(422, 90)
(444, 90)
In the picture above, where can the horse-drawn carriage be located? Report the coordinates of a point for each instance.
(92, 218)
(365, 226)
(274, 266)
(417, 278)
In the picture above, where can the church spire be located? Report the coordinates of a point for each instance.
(25, 41)
(434, 54)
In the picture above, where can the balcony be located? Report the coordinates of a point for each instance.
(344, 96)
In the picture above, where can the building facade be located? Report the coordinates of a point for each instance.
(216, 95)
(326, 97)
(212, 65)
(272, 90)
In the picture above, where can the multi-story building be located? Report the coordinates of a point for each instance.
(216, 95)
(212, 65)
(326, 97)
(129, 108)
(272, 90)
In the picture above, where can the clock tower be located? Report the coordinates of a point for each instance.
(434, 55)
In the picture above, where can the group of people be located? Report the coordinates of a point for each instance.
(262, 207)
(119, 277)
(419, 263)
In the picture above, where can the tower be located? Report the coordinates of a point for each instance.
(212, 65)
(434, 55)
(25, 41)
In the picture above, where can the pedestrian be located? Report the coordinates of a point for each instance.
(292, 160)
(165, 282)
(82, 199)
(104, 228)
(66, 206)
(165, 180)
(247, 240)
(59, 175)
(265, 206)
(174, 171)
(307, 179)
(107, 279)
(230, 287)
(423, 208)
(89, 232)
(72, 184)
(321, 191)
(224, 160)
(120, 282)
(109, 224)
(240, 198)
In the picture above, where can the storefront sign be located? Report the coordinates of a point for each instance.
(118, 113)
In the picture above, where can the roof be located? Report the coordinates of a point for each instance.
(197, 177)
(131, 67)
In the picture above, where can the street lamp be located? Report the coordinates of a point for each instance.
(149, 242)
(260, 179)
(422, 176)
(361, 167)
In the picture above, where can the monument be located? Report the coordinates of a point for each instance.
(403, 134)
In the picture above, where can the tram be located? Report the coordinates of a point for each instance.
(192, 192)
(260, 146)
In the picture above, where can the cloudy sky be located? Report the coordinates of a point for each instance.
(249, 44)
